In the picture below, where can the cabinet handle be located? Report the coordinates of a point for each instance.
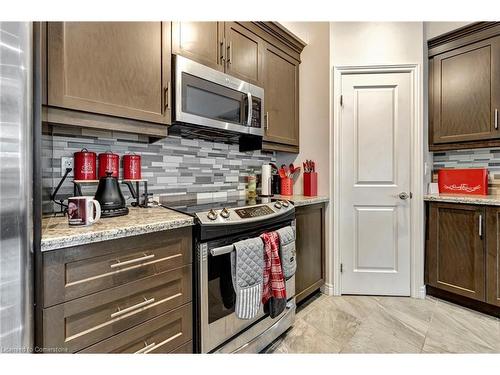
(267, 121)
(146, 351)
(146, 348)
(221, 52)
(167, 97)
(230, 53)
(131, 261)
(480, 225)
(496, 118)
(137, 306)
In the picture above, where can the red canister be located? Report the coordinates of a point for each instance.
(131, 167)
(84, 163)
(109, 162)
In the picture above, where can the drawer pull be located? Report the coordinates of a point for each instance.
(141, 259)
(146, 347)
(162, 343)
(128, 309)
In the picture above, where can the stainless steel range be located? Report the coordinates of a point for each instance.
(219, 226)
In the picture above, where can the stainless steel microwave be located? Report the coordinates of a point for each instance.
(215, 102)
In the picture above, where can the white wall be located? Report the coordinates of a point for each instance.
(374, 43)
(370, 43)
(434, 29)
(314, 102)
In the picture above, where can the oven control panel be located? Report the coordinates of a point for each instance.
(244, 214)
(254, 211)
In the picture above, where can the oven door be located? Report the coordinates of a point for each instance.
(207, 97)
(218, 321)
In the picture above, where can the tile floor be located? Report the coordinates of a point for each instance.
(365, 324)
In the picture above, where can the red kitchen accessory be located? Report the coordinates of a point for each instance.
(286, 186)
(472, 181)
(84, 163)
(310, 184)
(109, 162)
(131, 167)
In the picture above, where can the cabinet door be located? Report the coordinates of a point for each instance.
(493, 255)
(310, 246)
(455, 254)
(111, 68)
(281, 85)
(466, 84)
(200, 41)
(244, 53)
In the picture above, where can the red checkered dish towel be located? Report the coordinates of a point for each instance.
(274, 283)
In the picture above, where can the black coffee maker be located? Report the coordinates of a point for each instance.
(110, 197)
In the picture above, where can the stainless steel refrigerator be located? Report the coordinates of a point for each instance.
(16, 187)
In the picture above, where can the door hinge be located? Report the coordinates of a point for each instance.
(341, 100)
(341, 268)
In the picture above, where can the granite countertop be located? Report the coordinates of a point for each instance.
(488, 200)
(57, 234)
(302, 200)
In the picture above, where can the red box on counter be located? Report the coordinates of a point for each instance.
(310, 184)
(473, 181)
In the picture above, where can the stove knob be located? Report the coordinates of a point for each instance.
(277, 205)
(225, 213)
(212, 215)
(285, 204)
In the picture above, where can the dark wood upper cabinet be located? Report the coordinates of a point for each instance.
(455, 255)
(202, 42)
(465, 93)
(493, 255)
(281, 87)
(310, 247)
(121, 69)
(243, 53)
(464, 88)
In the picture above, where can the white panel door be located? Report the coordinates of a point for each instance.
(375, 170)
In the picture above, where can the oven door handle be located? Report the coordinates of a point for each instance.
(250, 109)
(221, 250)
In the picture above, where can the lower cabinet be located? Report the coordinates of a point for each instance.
(131, 295)
(455, 255)
(493, 256)
(162, 334)
(462, 252)
(310, 246)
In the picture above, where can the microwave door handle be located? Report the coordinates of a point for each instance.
(250, 110)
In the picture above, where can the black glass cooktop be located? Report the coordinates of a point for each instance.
(193, 206)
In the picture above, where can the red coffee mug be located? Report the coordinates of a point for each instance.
(83, 211)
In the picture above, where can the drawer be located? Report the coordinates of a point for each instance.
(168, 332)
(81, 270)
(187, 348)
(85, 321)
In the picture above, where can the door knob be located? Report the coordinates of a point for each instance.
(404, 195)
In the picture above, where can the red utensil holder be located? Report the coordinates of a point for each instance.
(473, 181)
(310, 184)
(286, 186)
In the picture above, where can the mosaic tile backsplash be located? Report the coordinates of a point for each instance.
(174, 166)
(476, 158)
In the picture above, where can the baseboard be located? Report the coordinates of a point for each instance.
(421, 292)
(464, 301)
(327, 289)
